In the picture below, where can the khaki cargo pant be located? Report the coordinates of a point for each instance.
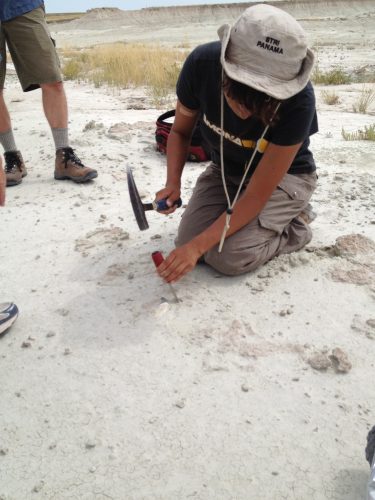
(32, 49)
(276, 230)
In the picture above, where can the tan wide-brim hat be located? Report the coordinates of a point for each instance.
(266, 49)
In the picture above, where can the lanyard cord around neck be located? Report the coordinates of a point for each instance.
(257, 148)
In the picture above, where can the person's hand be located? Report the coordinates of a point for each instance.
(170, 193)
(179, 262)
(2, 185)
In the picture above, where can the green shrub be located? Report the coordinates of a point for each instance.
(367, 134)
(335, 76)
(71, 69)
(330, 97)
(365, 99)
(126, 65)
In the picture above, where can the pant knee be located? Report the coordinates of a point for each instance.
(233, 264)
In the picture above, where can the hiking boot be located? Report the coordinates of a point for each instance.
(69, 166)
(14, 167)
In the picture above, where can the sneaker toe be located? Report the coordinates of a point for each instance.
(8, 315)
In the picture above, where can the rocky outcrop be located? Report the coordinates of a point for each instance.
(313, 10)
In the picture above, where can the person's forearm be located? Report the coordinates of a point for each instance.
(177, 151)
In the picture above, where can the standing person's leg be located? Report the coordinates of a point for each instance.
(5, 123)
(55, 108)
(14, 165)
(37, 65)
(277, 229)
(67, 163)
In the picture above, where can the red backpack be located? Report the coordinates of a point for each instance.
(197, 150)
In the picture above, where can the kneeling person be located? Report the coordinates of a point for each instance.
(256, 105)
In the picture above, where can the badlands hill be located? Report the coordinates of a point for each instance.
(309, 10)
(342, 31)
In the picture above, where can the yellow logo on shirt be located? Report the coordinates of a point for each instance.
(245, 143)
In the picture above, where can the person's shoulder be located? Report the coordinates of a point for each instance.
(207, 52)
(306, 96)
(307, 91)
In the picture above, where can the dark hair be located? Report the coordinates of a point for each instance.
(258, 103)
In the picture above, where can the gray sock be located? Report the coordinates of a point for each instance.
(7, 141)
(60, 136)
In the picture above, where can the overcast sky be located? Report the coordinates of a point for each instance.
(83, 5)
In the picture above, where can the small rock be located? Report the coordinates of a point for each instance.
(92, 469)
(163, 308)
(293, 261)
(89, 445)
(67, 351)
(304, 259)
(319, 361)
(340, 361)
(26, 345)
(245, 388)
(50, 334)
(352, 245)
(3, 452)
(180, 404)
(38, 487)
(156, 237)
(62, 312)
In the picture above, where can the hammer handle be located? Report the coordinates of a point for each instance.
(161, 205)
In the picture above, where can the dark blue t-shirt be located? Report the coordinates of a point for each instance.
(10, 9)
(199, 87)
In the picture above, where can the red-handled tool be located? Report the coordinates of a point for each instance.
(158, 258)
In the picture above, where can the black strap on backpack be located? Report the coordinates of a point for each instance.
(197, 150)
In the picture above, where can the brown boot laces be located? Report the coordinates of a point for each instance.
(12, 161)
(69, 155)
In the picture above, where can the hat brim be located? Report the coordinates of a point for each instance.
(279, 89)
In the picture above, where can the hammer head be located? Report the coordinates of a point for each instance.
(135, 199)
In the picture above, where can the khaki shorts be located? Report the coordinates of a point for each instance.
(32, 49)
